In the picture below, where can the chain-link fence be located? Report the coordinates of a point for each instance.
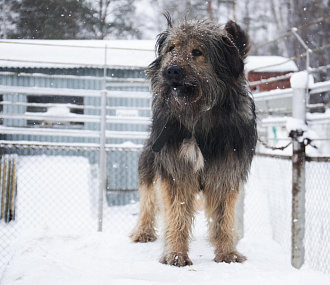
(57, 188)
(271, 183)
(317, 237)
(270, 187)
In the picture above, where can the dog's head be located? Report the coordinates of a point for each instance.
(197, 62)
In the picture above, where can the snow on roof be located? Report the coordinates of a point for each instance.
(270, 64)
(90, 53)
(75, 53)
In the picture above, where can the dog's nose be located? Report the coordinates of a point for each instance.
(175, 72)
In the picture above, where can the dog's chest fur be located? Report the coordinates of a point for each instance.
(191, 154)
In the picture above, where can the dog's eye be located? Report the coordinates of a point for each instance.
(196, 52)
(171, 48)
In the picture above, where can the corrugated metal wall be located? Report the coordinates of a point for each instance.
(122, 166)
(93, 81)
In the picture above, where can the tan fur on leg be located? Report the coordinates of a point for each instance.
(221, 219)
(177, 211)
(145, 228)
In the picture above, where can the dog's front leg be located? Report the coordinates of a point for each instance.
(177, 206)
(145, 228)
(220, 211)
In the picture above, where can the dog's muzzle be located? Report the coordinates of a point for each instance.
(175, 76)
(175, 73)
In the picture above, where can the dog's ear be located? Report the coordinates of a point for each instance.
(232, 57)
(161, 41)
(237, 46)
(239, 38)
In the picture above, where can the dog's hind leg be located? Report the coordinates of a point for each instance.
(144, 231)
(177, 206)
(220, 211)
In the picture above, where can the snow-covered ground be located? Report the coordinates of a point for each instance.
(60, 252)
(45, 257)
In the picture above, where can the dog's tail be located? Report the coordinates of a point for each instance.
(239, 37)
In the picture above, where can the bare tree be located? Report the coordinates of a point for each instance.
(115, 19)
(210, 10)
(6, 19)
(280, 20)
(101, 29)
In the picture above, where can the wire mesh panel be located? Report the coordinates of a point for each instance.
(57, 188)
(317, 238)
(48, 189)
(271, 178)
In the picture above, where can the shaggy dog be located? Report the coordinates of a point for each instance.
(202, 139)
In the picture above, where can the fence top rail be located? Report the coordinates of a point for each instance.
(94, 44)
(289, 157)
(42, 91)
(318, 158)
(318, 87)
(273, 94)
(72, 133)
(48, 105)
(278, 156)
(72, 117)
(71, 64)
(69, 146)
(82, 77)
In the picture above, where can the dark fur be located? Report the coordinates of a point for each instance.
(205, 101)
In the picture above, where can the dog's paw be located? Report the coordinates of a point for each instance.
(176, 259)
(230, 257)
(143, 237)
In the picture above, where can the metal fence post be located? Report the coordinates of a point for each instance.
(102, 161)
(299, 83)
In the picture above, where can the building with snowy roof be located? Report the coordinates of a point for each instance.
(259, 68)
(56, 84)
(50, 95)
(79, 67)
